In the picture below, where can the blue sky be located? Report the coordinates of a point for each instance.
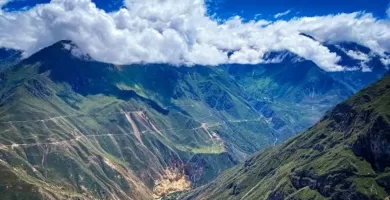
(179, 32)
(268, 8)
(248, 9)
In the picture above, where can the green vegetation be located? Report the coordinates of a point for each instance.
(72, 128)
(79, 129)
(344, 156)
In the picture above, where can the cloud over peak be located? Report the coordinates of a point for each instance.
(181, 33)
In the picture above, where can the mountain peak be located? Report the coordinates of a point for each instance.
(281, 57)
(66, 42)
(63, 48)
(74, 49)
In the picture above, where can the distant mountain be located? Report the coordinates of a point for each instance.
(293, 93)
(358, 60)
(344, 156)
(366, 66)
(9, 57)
(72, 127)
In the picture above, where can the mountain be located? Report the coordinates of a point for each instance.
(75, 128)
(9, 57)
(370, 66)
(293, 93)
(72, 127)
(344, 156)
(358, 60)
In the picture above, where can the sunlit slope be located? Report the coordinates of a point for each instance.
(71, 127)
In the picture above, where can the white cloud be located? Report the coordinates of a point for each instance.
(388, 12)
(385, 61)
(180, 32)
(357, 55)
(75, 51)
(3, 2)
(282, 14)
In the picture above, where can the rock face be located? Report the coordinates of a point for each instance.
(344, 156)
(374, 146)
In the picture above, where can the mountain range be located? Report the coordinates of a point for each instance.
(344, 156)
(75, 128)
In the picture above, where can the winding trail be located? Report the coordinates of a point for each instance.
(139, 114)
(47, 119)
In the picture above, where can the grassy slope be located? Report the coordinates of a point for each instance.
(64, 132)
(291, 95)
(344, 156)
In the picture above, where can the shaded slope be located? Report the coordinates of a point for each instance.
(358, 60)
(369, 68)
(344, 156)
(293, 94)
(9, 57)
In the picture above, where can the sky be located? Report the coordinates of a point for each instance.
(249, 9)
(192, 32)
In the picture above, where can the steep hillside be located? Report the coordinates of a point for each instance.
(344, 156)
(71, 127)
(293, 93)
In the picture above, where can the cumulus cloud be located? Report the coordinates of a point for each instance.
(357, 55)
(385, 61)
(181, 33)
(278, 15)
(3, 2)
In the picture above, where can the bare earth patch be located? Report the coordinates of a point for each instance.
(173, 180)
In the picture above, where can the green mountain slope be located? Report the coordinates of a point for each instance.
(344, 156)
(293, 94)
(73, 128)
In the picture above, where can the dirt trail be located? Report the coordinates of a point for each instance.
(138, 115)
(44, 120)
